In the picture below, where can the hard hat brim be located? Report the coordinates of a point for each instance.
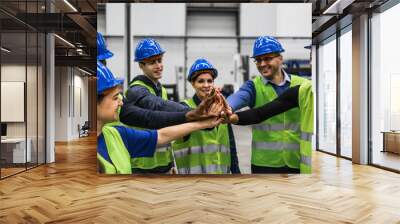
(197, 73)
(113, 84)
(108, 54)
(254, 56)
(141, 59)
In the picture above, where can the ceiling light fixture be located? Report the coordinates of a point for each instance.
(84, 71)
(337, 7)
(65, 41)
(70, 5)
(5, 50)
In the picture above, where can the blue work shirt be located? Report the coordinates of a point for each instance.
(246, 95)
(139, 143)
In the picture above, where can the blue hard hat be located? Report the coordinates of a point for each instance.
(105, 78)
(266, 45)
(202, 64)
(102, 52)
(147, 48)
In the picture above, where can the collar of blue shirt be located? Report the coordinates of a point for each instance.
(286, 79)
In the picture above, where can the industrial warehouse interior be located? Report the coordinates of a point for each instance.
(345, 48)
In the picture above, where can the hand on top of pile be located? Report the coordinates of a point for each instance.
(214, 105)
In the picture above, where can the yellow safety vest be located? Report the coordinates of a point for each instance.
(276, 142)
(205, 152)
(162, 156)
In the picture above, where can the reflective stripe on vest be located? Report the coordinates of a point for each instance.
(164, 94)
(305, 160)
(276, 141)
(306, 136)
(275, 146)
(210, 169)
(162, 156)
(204, 152)
(201, 149)
(276, 127)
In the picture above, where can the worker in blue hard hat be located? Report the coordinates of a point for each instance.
(277, 145)
(146, 91)
(211, 151)
(102, 52)
(136, 116)
(118, 146)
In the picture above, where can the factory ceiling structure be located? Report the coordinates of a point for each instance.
(73, 23)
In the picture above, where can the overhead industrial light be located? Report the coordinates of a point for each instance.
(84, 71)
(65, 41)
(337, 7)
(70, 5)
(5, 50)
(79, 51)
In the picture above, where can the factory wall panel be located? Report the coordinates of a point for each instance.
(115, 19)
(167, 19)
(219, 52)
(258, 19)
(293, 20)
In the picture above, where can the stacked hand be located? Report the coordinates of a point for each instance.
(214, 106)
(220, 104)
(205, 110)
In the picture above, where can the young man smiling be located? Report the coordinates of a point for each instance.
(146, 91)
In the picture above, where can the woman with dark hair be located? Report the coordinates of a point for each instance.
(117, 144)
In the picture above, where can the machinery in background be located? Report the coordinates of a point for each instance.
(298, 67)
(172, 92)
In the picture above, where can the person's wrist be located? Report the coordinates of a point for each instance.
(234, 118)
(189, 115)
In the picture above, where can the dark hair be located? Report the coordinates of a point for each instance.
(100, 97)
(103, 62)
(198, 73)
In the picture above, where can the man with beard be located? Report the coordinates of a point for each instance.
(276, 142)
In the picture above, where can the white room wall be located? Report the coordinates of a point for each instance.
(34, 106)
(14, 73)
(62, 81)
(67, 115)
(80, 109)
